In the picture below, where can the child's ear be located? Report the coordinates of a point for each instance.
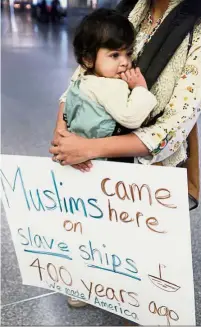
(88, 63)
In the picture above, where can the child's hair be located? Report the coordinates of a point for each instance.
(103, 28)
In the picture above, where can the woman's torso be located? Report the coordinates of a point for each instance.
(164, 86)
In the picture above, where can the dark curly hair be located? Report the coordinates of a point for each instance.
(103, 28)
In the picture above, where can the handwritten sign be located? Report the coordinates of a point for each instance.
(117, 237)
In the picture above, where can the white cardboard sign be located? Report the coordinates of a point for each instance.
(117, 237)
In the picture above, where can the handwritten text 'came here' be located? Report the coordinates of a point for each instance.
(53, 199)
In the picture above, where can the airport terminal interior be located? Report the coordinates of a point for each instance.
(37, 62)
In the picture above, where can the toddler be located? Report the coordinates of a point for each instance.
(105, 88)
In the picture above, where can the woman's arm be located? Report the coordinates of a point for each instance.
(73, 149)
(119, 146)
(169, 132)
(60, 123)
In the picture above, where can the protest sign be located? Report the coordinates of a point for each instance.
(117, 237)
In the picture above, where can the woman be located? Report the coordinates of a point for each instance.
(168, 51)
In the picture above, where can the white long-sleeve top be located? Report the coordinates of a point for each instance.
(94, 105)
(129, 108)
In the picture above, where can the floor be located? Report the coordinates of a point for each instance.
(37, 62)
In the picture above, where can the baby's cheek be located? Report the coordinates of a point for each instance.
(130, 65)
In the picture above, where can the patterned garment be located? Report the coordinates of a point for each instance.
(177, 90)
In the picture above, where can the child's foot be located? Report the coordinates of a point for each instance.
(75, 303)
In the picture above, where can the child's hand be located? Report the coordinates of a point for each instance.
(133, 77)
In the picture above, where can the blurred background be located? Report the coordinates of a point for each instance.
(37, 62)
(46, 11)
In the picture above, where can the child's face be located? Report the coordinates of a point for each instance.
(111, 63)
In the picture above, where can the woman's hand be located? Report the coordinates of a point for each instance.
(71, 149)
(84, 166)
(56, 136)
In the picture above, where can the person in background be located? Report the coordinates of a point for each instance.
(43, 14)
(168, 51)
(55, 11)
